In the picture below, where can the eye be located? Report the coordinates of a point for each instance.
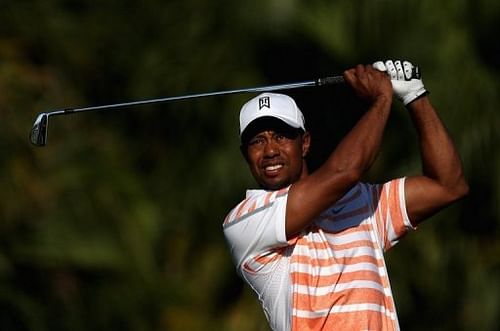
(256, 141)
(279, 137)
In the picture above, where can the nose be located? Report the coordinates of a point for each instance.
(271, 149)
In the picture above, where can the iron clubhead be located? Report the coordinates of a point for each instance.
(38, 134)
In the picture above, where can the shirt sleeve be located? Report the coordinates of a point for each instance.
(256, 225)
(390, 218)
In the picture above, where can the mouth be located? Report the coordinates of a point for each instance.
(272, 170)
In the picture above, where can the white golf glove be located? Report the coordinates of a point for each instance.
(405, 78)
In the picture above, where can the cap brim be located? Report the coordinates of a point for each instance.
(268, 123)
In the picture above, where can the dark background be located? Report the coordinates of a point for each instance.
(116, 223)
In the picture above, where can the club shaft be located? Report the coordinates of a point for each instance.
(318, 82)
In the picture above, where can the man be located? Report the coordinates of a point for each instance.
(311, 245)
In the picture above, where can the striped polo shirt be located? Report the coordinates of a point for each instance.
(332, 275)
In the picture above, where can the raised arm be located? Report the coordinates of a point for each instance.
(442, 181)
(353, 156)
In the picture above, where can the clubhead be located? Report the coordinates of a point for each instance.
(38, 134)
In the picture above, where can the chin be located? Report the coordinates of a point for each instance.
(273, 186)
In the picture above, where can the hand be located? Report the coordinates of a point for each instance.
(405, 78)
(368, 83)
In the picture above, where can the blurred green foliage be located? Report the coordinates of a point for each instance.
(116, 223)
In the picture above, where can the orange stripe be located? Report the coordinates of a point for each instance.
(354, 244)
(282, 191)
(395, 209)
(381, 214)
(241, 207)
(312, 247)
(360, 228)
(328, 262)
(226, 219)
(363, 320)
(268, 198)
(348, 297)
(375, 190)
(270, 256)
(315, 245)
(376, 214)
(252, 207)
(339, 278)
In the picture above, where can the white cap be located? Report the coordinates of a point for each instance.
(275, 105)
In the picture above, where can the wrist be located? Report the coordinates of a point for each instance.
(414, 95)
(420, 102)
(381, 106)
(382, 101)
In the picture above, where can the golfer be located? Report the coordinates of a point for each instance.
(311, 245)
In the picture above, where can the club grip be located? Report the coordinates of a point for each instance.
(334, 80)
(415, 73)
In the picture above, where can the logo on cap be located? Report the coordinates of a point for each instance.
(264, 102)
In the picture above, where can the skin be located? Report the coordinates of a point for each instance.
(277, 161)
(443, 180)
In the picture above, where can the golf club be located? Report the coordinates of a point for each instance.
(39, 132)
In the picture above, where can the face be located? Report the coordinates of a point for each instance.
(276, 160)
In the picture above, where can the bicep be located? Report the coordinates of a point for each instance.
(425, 197)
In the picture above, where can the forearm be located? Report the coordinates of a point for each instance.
(359, 148)
(356, 152)
(354, 155)
(341, 171)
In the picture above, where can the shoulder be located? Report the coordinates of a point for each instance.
(254, 202)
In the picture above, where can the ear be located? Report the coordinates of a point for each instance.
(306, 144)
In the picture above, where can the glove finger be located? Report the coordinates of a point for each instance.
(408, 70)
(391, 69)
(399, 70)
(379, 65)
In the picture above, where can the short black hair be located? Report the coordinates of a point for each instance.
(266, 123)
